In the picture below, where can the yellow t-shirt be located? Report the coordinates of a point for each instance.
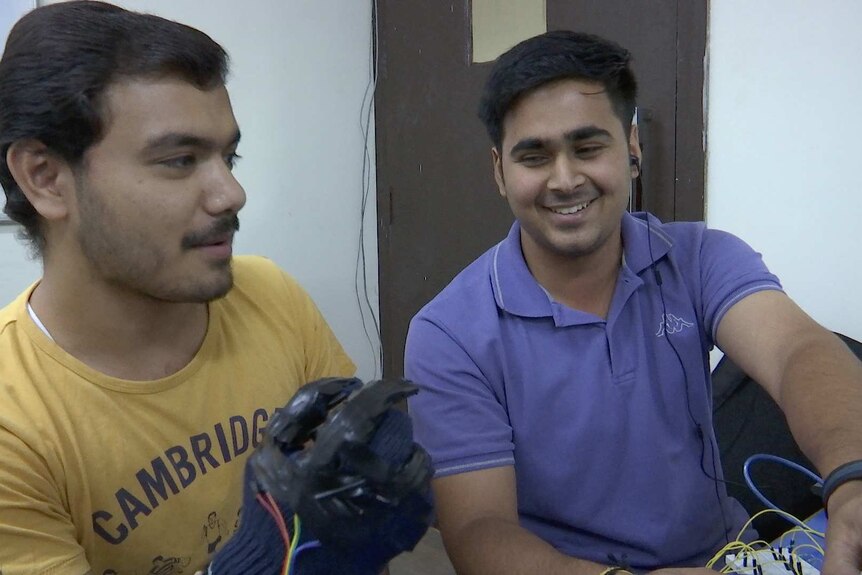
(113, 476)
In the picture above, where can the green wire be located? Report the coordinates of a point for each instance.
(297, 529)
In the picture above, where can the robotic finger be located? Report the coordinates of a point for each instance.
(363, 483)
(294, 424)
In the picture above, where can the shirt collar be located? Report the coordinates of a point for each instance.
(644, 240)
(517, 291)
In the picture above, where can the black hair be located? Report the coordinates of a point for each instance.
(58, 62)
(554, 56)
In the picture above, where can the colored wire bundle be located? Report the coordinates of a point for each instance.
(291, 543)
(752, 549)
(792, 559)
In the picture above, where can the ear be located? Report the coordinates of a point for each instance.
(498, 171)
(44, 178)
(635, 150)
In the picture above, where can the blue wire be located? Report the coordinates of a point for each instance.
(300, 549)
(766, 457)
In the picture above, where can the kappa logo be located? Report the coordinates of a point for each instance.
(671, 324)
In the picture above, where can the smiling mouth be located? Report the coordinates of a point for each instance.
(569, 210)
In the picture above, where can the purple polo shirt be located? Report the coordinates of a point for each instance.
(599, 417)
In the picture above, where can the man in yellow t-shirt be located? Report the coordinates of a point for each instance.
(104, 472)
(138, 374)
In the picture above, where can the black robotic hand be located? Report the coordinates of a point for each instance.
(342, 458)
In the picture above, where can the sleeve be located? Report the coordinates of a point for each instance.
(458, 416)
(36, 531)
(324, 355)
(730, 271)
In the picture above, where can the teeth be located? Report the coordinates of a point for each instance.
(572, 209)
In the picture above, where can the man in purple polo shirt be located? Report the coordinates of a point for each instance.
(565, 376)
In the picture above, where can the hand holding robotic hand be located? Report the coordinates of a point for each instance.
(338, 464)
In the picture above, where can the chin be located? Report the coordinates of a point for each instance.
(219, 284)
(218, 289)
(198, 291)
(575, 247)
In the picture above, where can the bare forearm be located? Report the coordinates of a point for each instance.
(822, 399)
(492, 546)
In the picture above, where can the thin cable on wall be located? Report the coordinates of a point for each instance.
(366, 309)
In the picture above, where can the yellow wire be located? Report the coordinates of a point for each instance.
(810, 533)
(741, 547)
(293, 542)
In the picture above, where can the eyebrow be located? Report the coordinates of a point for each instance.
(179, 140)
(587, 133)
(574, 136)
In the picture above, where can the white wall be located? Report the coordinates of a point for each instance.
(300, 69)
(783, 114)
(17, 271)
(784, 118)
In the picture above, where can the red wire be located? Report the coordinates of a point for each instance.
(268, 503)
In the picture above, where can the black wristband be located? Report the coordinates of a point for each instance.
(840, 476)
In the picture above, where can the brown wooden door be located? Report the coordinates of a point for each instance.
(438, 207)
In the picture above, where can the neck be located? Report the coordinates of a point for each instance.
(117, 331)
(586, 282)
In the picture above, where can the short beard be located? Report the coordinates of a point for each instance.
(124, 259)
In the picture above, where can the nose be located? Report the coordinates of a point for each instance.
(223, 193)
(565, 175)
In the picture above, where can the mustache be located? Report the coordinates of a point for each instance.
(221, 227)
